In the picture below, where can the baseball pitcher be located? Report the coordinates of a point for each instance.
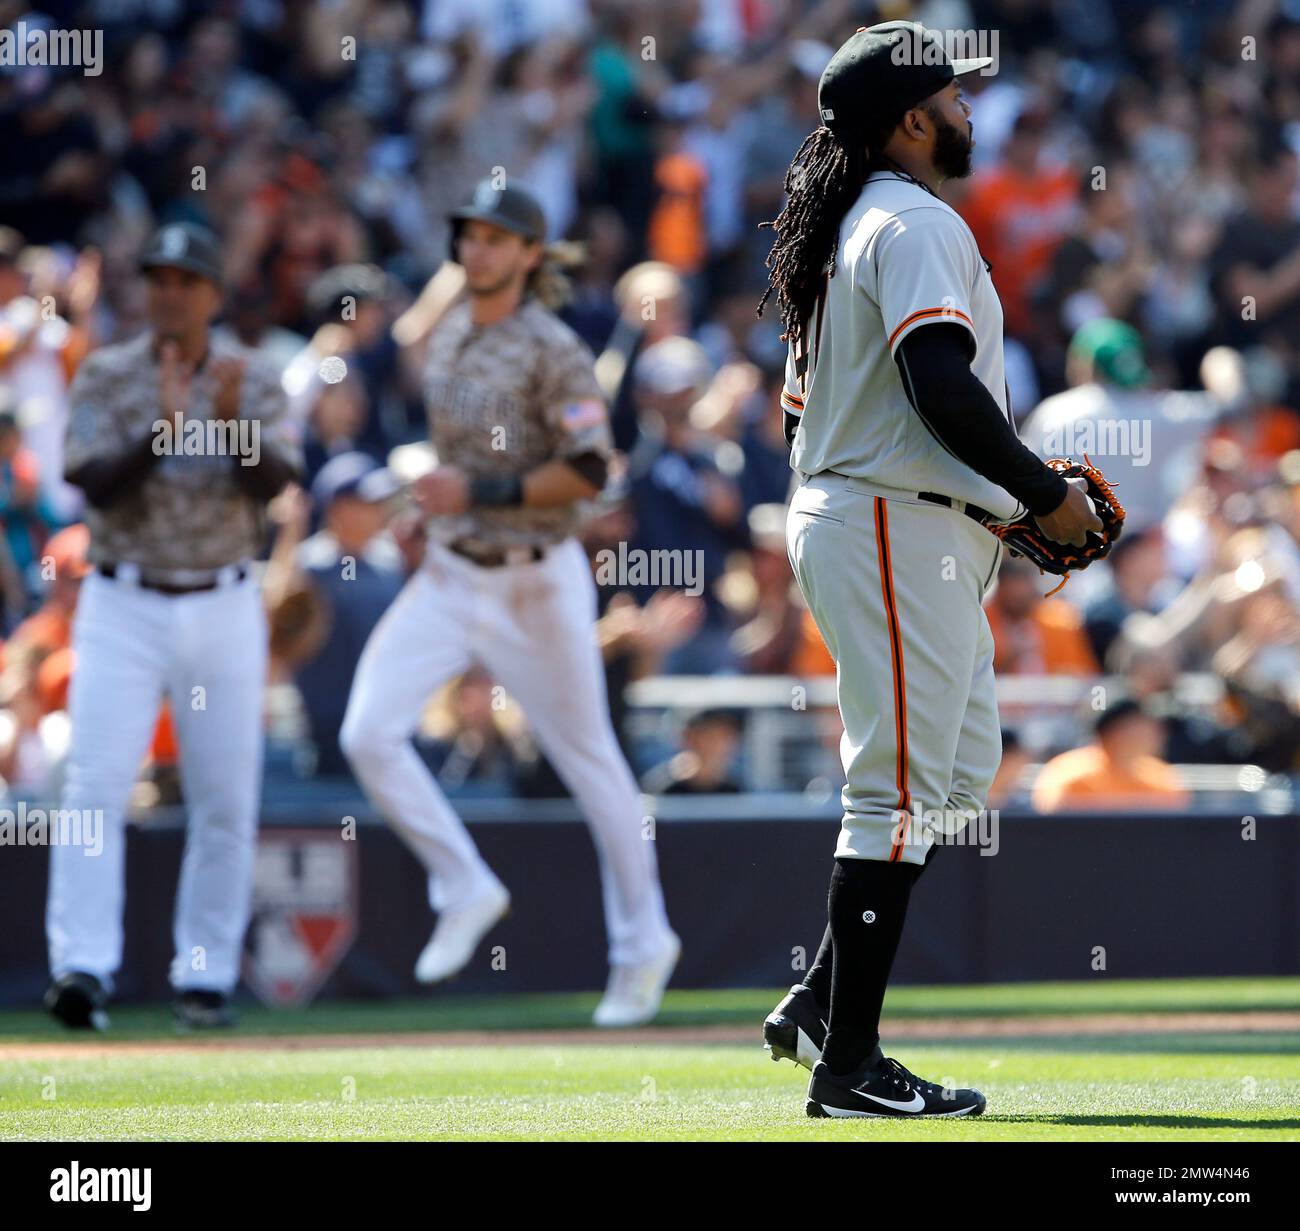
(903, 444)
(178, 441)
(522, 437)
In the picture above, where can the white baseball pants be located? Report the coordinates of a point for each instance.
(530, 626)
(207, 652)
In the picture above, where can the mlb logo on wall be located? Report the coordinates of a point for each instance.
(304, 913)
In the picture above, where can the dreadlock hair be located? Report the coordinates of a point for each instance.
(824, 179)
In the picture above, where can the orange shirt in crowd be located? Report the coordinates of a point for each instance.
(1050, 641)
(811, 657)
(1087, 778)
(676, 233)
(1018, 220)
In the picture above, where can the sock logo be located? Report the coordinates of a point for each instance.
(868, 916)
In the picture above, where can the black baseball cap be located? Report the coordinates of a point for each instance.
(883, 70)
(508, 207)
(184, 245)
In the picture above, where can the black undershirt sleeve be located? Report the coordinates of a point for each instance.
(592, 467)
(105, 480)
(267, 478)
(960, 413)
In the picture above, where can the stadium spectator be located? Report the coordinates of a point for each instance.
(1005, 790)
(311, 160)
(333, 586)
(475, 742)
(33, 739)
(1146, 440)
(1020, 211)
(1136, 576)
(48, 630)
(1256, 269)
(710, 740)
(351, 310)
(25, 518)
(682, 500)
(652, 306)
(1122, 768)
(633, 639)
(766, 642)
(48, 321)
(1035, 635)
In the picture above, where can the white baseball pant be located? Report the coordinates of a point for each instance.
(207, 652)
(531, 627)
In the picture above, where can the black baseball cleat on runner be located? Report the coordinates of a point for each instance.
(199, 1009)
(794, 1030)
(883, 1088)
(77, 1000)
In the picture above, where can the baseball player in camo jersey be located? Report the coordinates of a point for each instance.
(170, 609)
(903, 445)
(522, 439)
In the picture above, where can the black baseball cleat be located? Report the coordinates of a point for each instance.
(77, 1000)
(794, 1030)
(884, 1088)
(199, 1009)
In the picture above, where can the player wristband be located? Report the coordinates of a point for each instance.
(505, 490)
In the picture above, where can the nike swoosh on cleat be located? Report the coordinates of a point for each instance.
(915, 1104)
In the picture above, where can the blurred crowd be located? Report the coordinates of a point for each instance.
(1136, 191)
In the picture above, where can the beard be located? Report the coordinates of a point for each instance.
(952, 148)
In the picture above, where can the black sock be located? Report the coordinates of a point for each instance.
(868, 903)
(818, 978)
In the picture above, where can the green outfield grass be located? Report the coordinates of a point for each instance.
(618, 1092)
(1181, 1085)
(447, 1011)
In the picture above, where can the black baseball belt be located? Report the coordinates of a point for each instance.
(973, 511)
(497, 557)
(164, 585)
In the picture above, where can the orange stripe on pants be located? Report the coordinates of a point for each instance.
(900, 679)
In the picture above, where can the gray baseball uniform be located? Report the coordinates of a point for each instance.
(896, 582)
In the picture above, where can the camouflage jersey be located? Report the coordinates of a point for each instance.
(503, 399)
(188, 512)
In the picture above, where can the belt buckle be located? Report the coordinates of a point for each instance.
(518, 555)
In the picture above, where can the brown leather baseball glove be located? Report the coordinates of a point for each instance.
(1025, 538)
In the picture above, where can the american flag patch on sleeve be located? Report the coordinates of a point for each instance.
(590, 412)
